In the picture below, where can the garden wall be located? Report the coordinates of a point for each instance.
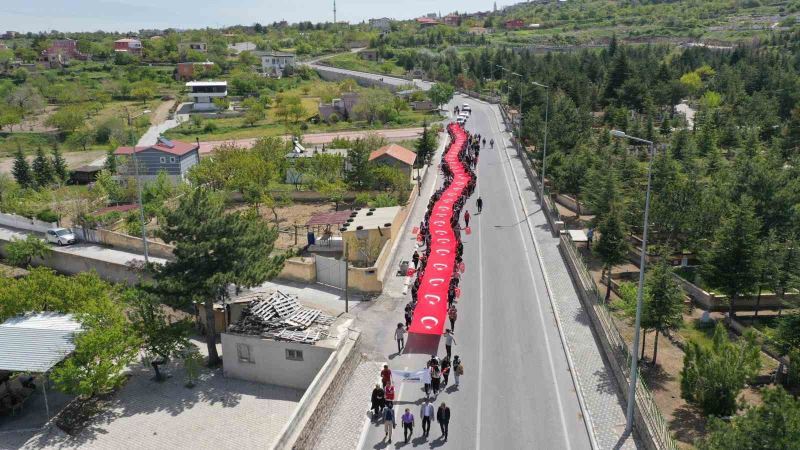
(24, 223)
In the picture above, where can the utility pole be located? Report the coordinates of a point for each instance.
(546, 113)
(334, 12)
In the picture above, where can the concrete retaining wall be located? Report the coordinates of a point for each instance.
(124, 242)
(24, 223)
(571, 204)
(300, 269)
(711, 301)
(330, 75)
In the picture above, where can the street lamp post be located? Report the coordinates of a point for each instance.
(546, 114)
(141, 205)
(640, 290)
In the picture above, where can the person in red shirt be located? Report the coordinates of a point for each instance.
(389, 394)
(386, 375)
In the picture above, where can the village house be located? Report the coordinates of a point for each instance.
(128, 45)
(427, 22)
(62, 51)
(396, 156)
(383, 24)
(188, 71)
(341, 107)
(452, 20)
(175, 158)
(203, 93)
(370, 54)
(273, 63)
(515, 24)
(201, 47)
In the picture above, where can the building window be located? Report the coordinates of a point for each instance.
(243, 350)
(294, 355)
(162, 159)
(172, 159)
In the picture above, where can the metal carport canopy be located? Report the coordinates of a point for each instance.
(36, 342)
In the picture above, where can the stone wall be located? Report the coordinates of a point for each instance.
(24, 223)
(302, 269)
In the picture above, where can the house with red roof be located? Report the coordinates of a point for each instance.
(128, 45)
(175, 158)
(425, 22)
(396, 156)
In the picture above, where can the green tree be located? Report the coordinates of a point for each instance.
(425, 146)
(613, 246)
(143, 90)
(22, 170)
(59, 165)
(214, 249)
(713, 377)
(441, 93)
(731, 263)
(253, 115)
(80, 139)
(67, 119)
(161, 337)
(110, 163)
(359, 176)
(20, 252)
(571, 176)
(785, 265)
(665, 309)
(41, 168)
(775, 424)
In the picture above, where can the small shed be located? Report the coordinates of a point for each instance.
(84, 174)
(396, 156)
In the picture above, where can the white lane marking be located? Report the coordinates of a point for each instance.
(539, 306)
(365, 428)
(587, 420)
(480, 325)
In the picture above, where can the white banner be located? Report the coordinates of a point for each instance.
(411, 377)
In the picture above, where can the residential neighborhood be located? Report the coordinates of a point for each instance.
(541, 225)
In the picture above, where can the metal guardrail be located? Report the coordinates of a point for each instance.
(646, 405)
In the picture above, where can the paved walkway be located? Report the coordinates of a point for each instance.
(599, 390)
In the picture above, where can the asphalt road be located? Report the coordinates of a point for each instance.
(517, 392)
(386, 79)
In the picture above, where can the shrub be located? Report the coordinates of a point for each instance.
(47, 216)
(210, 127)
(362, 199)
(383, 200)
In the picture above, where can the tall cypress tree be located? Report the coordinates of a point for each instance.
(111, 162)
(59, 165)
(612, 247)
(22, 170)
(42, 171)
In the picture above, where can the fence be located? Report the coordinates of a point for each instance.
(648, 419)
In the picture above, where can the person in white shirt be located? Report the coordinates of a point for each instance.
(426, 379)
(427, 414)
(449, 340)
(399, 334)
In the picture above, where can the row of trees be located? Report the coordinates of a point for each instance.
(42, 172)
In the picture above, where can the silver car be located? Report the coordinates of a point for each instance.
(60, 236)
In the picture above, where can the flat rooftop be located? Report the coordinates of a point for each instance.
(206, 83)
(372, 218)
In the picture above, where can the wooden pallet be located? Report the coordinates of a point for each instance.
(305, 337)
(303, 317)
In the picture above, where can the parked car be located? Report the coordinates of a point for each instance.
(466, 107)
(60, 236)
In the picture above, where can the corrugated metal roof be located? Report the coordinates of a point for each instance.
(36, 342)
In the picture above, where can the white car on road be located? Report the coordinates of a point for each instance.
(60, 236)
(466, 107)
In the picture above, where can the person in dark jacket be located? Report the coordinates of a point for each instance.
(378, 401)
(443, 417)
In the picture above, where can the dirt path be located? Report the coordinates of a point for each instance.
(161, 112)
(74, 159)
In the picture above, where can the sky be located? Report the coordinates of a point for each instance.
(133, 15)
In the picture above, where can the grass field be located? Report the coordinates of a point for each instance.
(352, 61)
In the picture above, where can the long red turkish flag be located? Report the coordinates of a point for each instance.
(431, 311)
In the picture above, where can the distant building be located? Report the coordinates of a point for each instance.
(128, 45)
(188, 71)
(342, 107)
(62, 51)
(273, 63)
(201, 47)
(478, 31)
(368, 54)
(9, 35)
(396, 156)
(452, 20)
(240, 47)
(426, 22)
(382, 24)
(203, 93)
(515, 24)
(173, 157)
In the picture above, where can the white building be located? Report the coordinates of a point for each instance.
(203, 93)
(273, 63)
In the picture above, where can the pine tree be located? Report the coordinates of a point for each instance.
(612, 247)
(111, 162)
(665, 309)
(42, 171)
(59, 165)
(22, 170)
(214, 249)
(426, 146)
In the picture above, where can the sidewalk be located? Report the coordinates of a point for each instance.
(600, 394)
